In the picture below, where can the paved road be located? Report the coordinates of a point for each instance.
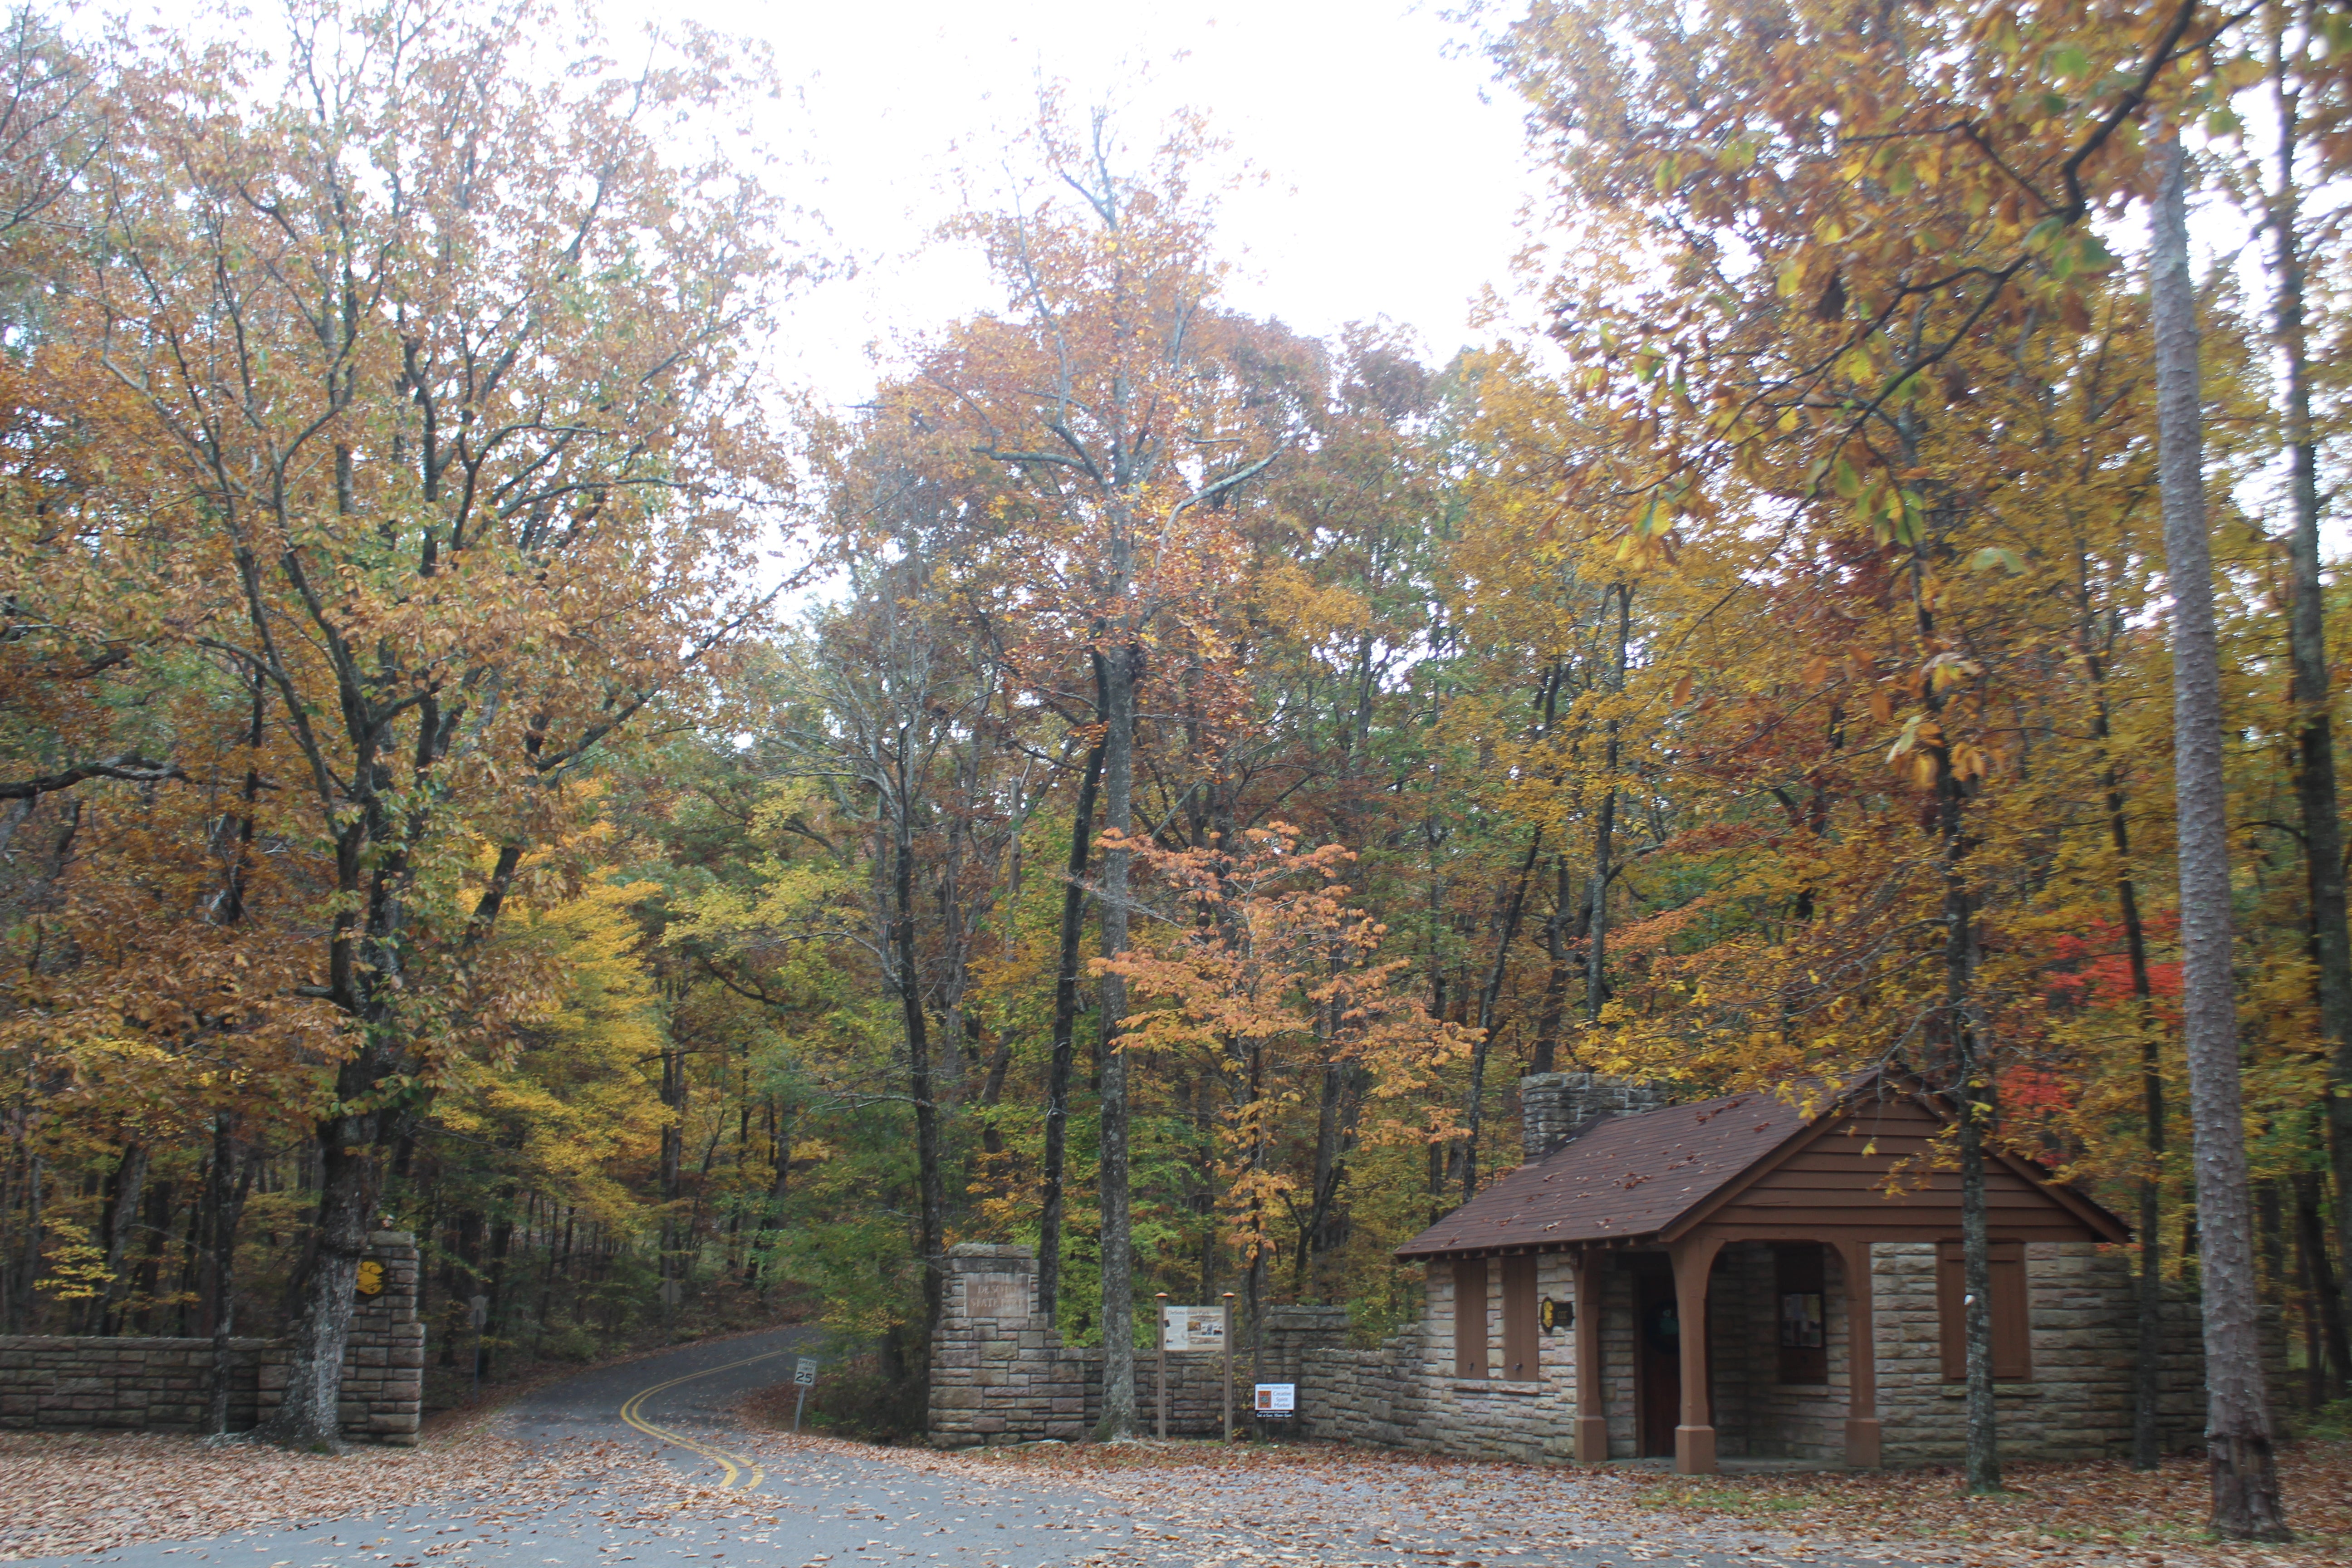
(764, 1500)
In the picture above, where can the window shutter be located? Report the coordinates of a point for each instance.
(2012, 1341)
(1469, 1317)
(1950, 1320)
(1521, 1358)
(2012, 1322)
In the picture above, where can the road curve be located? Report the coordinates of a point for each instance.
(666, 1477)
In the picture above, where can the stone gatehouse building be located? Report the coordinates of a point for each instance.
(1814, 1245)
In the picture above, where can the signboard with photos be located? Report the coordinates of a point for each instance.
(1193, 1328)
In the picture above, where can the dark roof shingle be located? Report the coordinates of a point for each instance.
(1622, 1177)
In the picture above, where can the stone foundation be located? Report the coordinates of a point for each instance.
(166, 1384)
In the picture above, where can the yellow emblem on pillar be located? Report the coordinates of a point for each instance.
(371, 1277)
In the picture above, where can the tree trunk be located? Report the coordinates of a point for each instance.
(2147, 1439)
(1973, 1091)
(2332, 1370)
(1596, 920)
(2308, 685)
(932, 1221)
(1064, 1061)
(672, 1175)
(309, 1417)
(1118, 1413)
(2246, 1503)
(1465, 1171)
(121, 1219)
(1544, 1058)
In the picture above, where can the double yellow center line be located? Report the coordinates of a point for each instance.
(736, 1466)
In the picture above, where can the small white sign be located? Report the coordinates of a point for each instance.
(1276, 1398)
(478, 1310)
(804, 1371)
(1191, 1328)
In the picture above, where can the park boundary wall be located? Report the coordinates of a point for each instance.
(124, 1383)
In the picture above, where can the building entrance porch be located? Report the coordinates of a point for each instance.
(1747, 1348)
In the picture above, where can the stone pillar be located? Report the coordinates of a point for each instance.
(1694, 1437)
(984, 1387)
(1291, 1331)
(382, 1393)
(1554, 1107)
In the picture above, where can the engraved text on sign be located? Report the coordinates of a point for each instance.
(999, 1296)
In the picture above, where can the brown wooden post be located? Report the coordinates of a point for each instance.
(1861, 1360)
(1229, 1366)
(1694, 1260)
(1591, 1416)
(1161, 1374)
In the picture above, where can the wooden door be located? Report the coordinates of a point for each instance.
(1657, 1357)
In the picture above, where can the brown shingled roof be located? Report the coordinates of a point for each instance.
(1621, 1178)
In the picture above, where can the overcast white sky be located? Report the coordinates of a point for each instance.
(1390, 176)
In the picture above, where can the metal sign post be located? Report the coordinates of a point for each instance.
(1229, 1366)
(1162, 1374)
(805, 1376)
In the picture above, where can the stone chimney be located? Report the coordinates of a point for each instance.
(1554, 1107)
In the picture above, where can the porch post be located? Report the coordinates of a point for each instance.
(1861, 1360)
(1694, 1260)
(1591, 1419)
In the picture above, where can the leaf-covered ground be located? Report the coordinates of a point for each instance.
(2070, 1511)
(65, 1493)
(1334, 1504)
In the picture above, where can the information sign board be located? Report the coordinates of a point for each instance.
(1193, 1328)
(1278, 1399)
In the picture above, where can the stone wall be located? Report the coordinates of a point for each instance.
(1405, 1395)
(166, 1384)
(999, 1372)
(2083, 1303)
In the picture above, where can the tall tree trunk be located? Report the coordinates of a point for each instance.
(2331, 1370)
(2308, 684)
(1972, 1084)
(309, 1417)
(1122, 667)
(1465, 1171)
(1557, 931)
(932, 1221)
(232, 1180)
(25, 1304)
(2246, 1503)
(1064, 1060)
(2148, 1437)
(672, 1174)
(121, 1219)
(1596, 919)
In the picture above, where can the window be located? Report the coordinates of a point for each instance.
(1802, 1299)
(1521, 1361)
(2013, 1359)
(1469, 1317)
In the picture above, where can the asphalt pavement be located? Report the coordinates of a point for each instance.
(761, 1501)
